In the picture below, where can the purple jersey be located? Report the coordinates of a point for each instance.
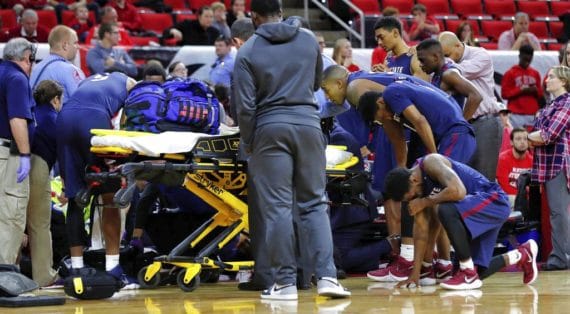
(436, 81)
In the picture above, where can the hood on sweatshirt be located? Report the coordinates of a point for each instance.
(279, 32)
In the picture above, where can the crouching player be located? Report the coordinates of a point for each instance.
(471, 209)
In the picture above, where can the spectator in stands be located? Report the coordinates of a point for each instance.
(195, 32)
(465, 34)
(551, 142)
(342, 54)
(81, 23)
(15, 131)
(127, 14)
(220, 18)
(520, 86)
(105, 57)
(519, 35)
(513, 162)
(25, 4)
(109, 15)
(565, 55)
(28, 29)
(423, 26)
(321, 40)
(222, 69)
(48, 96)
(476, 65)
(237, 12)
(58, 66)
(63, 5)
(177, 70)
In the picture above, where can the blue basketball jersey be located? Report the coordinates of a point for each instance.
(436, 81)
(441, 112)
(104, 92)
(400, 64)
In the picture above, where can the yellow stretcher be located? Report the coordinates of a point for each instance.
(212, 171)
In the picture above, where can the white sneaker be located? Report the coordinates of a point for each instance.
(276, 292)
(330, 287)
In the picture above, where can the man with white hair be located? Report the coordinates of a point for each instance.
(28, 28)
(58, 66)
(476, 66)
(15, 114)
(519, 35)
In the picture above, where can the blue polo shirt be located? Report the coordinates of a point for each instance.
(15, 97)
(44, 142)
(56, 68)
(222, 70)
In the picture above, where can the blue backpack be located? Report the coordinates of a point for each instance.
(178, 105)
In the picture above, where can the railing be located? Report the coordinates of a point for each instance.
(360, 36)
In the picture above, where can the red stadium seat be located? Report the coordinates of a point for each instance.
(560, 7)
(196, 4)
(490, 46)
(493, 29)
(556, 29)
(467, 7)
(404, 6)
(176, 5)
(452, 25)
(539, 28)
(501, 8)
(181, 17)
(8, 19)
(156, 22)
(47, 18)
(67, 16)
(534, 9)
(555, 46)
(143, 41)
(368, 6)
(436, 7)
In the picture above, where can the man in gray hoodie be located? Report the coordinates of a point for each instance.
(276, 73)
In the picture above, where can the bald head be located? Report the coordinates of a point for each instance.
(335, 72)
(63, 41)
(451, 46)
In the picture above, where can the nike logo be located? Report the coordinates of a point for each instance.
(443, 274)
(470, 280)
(276, 288)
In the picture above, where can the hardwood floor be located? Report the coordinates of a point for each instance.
(501, 293)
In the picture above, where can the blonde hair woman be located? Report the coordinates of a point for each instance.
(342, 54)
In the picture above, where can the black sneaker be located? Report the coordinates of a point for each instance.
(251, 286)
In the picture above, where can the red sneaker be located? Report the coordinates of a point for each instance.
(427, 276)
(398, 270)
(464, 279)
(443, 272)
(527, 263)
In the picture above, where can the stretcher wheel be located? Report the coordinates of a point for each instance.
(152, 283)
(191, 286)
(210, 275)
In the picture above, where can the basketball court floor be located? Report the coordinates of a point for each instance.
(501, 293)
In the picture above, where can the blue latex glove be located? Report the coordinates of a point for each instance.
(24, 168)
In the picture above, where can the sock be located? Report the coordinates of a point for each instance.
(111, 261)
(468, 264)
(426, 264)
(444, 262)
(77, 262)
(514, 256)
(407, 252)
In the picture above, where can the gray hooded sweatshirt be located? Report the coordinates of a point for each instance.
(276, 74)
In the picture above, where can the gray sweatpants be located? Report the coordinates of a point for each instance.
(488, 135)
(287, 164)
(559, 204)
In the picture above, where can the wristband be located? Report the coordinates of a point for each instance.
(26, 155)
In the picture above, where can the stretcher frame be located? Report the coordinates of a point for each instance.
(212, 172)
